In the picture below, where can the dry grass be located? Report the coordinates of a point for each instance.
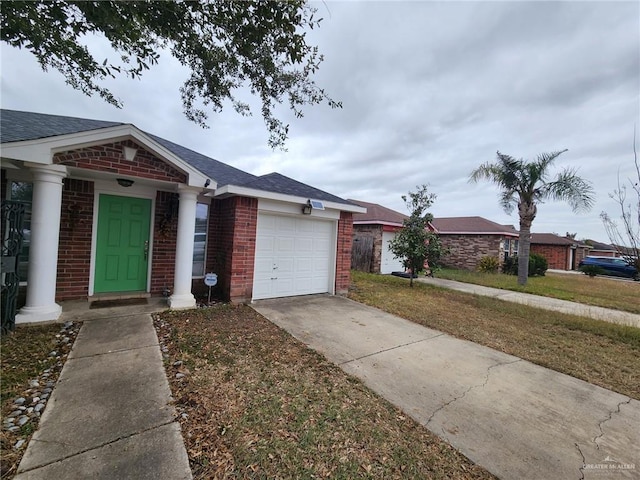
(256, 403)
(601, 353)
(599, 291)
(24, 357)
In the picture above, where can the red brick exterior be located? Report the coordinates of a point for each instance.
(558, 256)
(110, 158)
(343, 253)
(74, 253)
(164, 242)
(232, 246)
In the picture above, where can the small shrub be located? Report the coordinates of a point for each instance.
(488, 264)
(592, 270)
(510, 265)
(537, 265)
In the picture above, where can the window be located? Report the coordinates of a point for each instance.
(200, 240)
(23, 192)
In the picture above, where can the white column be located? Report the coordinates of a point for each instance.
(182, 296)
(43, 251)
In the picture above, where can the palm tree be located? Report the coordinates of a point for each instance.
(524, 184)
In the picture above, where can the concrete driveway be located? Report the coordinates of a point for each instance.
(517, 419)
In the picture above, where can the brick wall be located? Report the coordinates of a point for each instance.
(164, 242)
(343, 254)
(374, 232)
(110, 158)
(557, 256)
(467, 250)
(232, 245)
(74, 253)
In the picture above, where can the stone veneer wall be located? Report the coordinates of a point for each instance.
(467, 250)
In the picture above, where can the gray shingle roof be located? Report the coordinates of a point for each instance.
(18, 126)
(220, 172)
(276, 182)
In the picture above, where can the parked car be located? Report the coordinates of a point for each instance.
(618, 267)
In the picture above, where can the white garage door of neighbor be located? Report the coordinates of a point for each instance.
(294, 256)
(388, 263)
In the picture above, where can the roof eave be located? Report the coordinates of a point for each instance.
(236, 190)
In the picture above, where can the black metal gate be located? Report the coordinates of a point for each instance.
(12, 237)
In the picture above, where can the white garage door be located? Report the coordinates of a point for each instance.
(294, 256)
(388, 263)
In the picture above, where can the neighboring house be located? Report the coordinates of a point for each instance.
(600, 249)
(468, 239)
(562, 253)
(372, 232)
(118, 212)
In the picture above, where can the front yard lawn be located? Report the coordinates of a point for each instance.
(601, 353)
(253, 402)
(599, 291)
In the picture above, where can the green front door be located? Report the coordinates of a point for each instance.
(122, 245)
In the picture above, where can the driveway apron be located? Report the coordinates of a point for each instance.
(517, 419)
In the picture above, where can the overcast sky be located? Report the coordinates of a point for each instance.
(430, 90)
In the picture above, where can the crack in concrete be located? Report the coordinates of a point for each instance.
(584, 461)
(110, 442)
(118, 350)
(480, 385)
(392, 348)
(611, 414)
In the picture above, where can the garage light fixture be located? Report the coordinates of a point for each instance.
(310, 205)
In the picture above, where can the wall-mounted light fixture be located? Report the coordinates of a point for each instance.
(129, 153)
(124, 182)
(310, 205)
(306, 208)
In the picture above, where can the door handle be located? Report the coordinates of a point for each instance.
(146, 249)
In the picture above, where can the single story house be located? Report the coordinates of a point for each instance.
(562, 253)
(119, 212)
(600, 249)
(468, 239)
(372, 232)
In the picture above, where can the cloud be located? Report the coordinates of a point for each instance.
(430, 90)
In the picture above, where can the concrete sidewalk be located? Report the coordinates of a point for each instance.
(110, 414)
(546, 303)
(518, 420)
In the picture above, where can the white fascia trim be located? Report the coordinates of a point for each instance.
(506, 234)
(41, 150)
(228, 190)
(377, 222)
